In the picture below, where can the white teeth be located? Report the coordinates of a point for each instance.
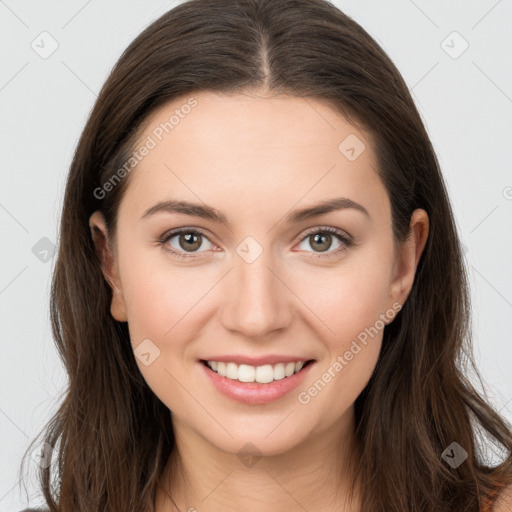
(279, 371)
(246, 373)
(262, 374)
(290, 369)
(232, 371)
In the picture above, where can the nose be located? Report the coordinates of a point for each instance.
(257, 298)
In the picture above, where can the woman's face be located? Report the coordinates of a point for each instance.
(259, 280)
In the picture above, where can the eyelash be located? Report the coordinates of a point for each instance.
(342, 237)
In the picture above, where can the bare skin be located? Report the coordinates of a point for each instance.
(256, 159)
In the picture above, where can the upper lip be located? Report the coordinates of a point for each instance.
(257, 361)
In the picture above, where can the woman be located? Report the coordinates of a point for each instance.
(259, 295)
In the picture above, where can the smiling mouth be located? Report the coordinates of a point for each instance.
(264, 374)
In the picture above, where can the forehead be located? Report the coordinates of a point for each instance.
(254, 119)
(255, 147)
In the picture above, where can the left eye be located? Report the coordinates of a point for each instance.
(189, 241)
(322, 239)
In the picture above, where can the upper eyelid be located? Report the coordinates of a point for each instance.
(328, 229)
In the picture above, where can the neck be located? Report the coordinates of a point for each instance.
(315, 475)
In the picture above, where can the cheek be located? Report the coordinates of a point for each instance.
(160, 296)
(165, 305)
(350, 297)
(351, 303)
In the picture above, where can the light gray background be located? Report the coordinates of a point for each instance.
(466, 103)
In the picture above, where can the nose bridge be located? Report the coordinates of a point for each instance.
(257, 302)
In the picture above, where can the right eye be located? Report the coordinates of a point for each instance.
(187, 240)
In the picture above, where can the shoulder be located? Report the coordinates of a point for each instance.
(503, 502)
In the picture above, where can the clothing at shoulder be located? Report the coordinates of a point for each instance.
(35, 510)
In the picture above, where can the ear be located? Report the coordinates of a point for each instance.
(109, 266)
(408, 256)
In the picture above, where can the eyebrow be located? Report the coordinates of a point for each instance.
(207, 212)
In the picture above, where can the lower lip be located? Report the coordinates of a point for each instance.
(255, 393)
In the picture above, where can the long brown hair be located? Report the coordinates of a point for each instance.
(112, 436)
